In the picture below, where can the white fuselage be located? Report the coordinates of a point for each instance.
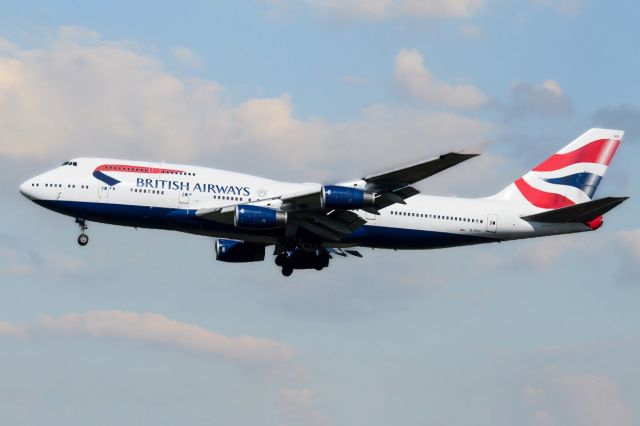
(143, 194)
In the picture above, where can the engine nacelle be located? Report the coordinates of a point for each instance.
(255, 217)
(238, 251)
(342, 197)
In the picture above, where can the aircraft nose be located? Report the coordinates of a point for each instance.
(26, 189)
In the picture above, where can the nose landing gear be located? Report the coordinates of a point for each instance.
(83, 239)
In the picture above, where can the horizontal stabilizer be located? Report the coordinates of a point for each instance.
(578, 213)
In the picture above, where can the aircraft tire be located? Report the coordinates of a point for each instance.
(287, 271)
(83, 240)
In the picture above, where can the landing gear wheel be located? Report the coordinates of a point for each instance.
(280, 259)
(83, 239)
(287, 271)
(320, 262)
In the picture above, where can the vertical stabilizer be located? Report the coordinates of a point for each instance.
(570, 176)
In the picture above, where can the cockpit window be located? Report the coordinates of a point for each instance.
(70, 163)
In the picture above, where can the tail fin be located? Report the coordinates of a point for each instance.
(568, 177)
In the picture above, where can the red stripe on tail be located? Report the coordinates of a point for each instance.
(542, 199)
(600, 152)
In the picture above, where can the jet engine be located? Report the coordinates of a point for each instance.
(341, 197)
(256, 217)
(234, 251)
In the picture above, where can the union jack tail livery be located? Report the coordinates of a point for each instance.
(570, 176)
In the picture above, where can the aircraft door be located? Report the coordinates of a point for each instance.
(103, 192)
(492, 223)
(184, 198)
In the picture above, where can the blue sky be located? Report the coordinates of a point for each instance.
(144, 327)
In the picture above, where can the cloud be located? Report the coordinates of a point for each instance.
(471, 31)
(294, 405)
(586, 399)
(296, 409)
(80, 95)
(18, 262)
(542, 254)
(186, 56)
(625, 117)
(415, 80)
(355, 80)
(7, 47)
(629, 255)
(156, 329)
(545, 100)
(10, 329)
(382, 10)
(631, 241)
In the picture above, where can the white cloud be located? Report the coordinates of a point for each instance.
(157, 329)
(355, 80)
(593, 399)
(7, 46)
(415, 79)
(629, 255)
(393, 9)
(10, 329)
(471, 31)
(186, 56)
(21, 263)
(543, 253)
(631, 241)
(545, 99)
(296, 409)
(80, 95)
(585, 399)
(295, 405)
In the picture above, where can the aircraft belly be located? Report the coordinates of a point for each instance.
(404, 238)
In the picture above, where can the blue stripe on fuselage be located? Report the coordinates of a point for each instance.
(404, 238)
(185, 220)
(105, 178)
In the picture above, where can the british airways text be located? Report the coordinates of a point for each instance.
(198, 187)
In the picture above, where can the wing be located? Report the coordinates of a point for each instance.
(305, 209)
(394, 187)
(415, 172)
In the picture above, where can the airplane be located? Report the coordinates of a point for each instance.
(308, 223)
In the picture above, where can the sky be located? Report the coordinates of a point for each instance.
(145, 327)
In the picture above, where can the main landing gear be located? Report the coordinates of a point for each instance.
(83, 239)
(302, 259)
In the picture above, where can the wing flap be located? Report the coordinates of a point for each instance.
(217, 214)
(387, 198)
(578, 213)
